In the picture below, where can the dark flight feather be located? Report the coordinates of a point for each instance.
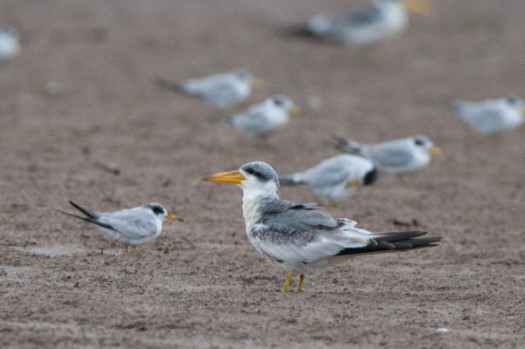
(396, 241)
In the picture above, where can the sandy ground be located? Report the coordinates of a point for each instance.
(81, 120)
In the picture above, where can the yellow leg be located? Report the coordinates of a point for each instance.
(287, 282)
(333, 203)
(125, 249)
(300, 284)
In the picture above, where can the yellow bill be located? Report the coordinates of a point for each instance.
(417, 6)
(294, 110)
(352, 183)
(230, 177)
(435, 150)
(172, 217)
(256, 83)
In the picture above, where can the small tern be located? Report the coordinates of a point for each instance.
(129, 227)
(335, 178)
(384, 19)
(220, 90)
(302, 238)
(9, 43)
(263, 118)
(493, 115)
(397, 156)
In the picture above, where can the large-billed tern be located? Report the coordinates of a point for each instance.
(302, 238)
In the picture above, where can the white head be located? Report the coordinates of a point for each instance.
(256, 178)
(424, 144)
(160, 212)
(416, 6)
(282, 102)
(246, 77)
(516, 102)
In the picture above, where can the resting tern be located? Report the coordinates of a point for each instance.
(335, 178)
(302, 238)
(129, 227)
(9, 43)
(220, 90)
(263, 118)
(491, 115)
(397, 156)
(384, 19)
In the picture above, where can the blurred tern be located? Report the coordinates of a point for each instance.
(335, 178)
(384, 19)
(9, 43)
(220, 90)
(491, 115)
(130, 227)
(302, 238)
(263, 118)
(397, 156)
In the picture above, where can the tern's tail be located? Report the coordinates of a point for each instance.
(290, 180)
(89, 216)
(398, 241)
(170, 85)
(226, 120)
(456, 105)
(347, 146)
(85, 211)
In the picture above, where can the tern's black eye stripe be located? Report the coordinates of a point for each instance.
(157, 210)
(419, 142)
(250, 171)
(371, 177)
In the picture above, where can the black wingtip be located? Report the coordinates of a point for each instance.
(73, 215)
(169, 85)
(338, 140)
(396, 241)
(83, 210)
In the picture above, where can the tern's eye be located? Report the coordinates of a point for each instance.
(419, 142)
(157, 210)
(278, 102)
(249, 170)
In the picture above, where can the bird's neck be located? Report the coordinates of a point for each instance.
(251, 202)
(158, 226)
(394, 13)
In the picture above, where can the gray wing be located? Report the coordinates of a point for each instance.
(222, 94)
(327, 175)
(130, 223)
(304, 233)
(391, 155)
(218, 90)
(486, 121)
(363, 17)
(252, 122)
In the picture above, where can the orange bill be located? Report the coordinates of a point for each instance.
(230, 177)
